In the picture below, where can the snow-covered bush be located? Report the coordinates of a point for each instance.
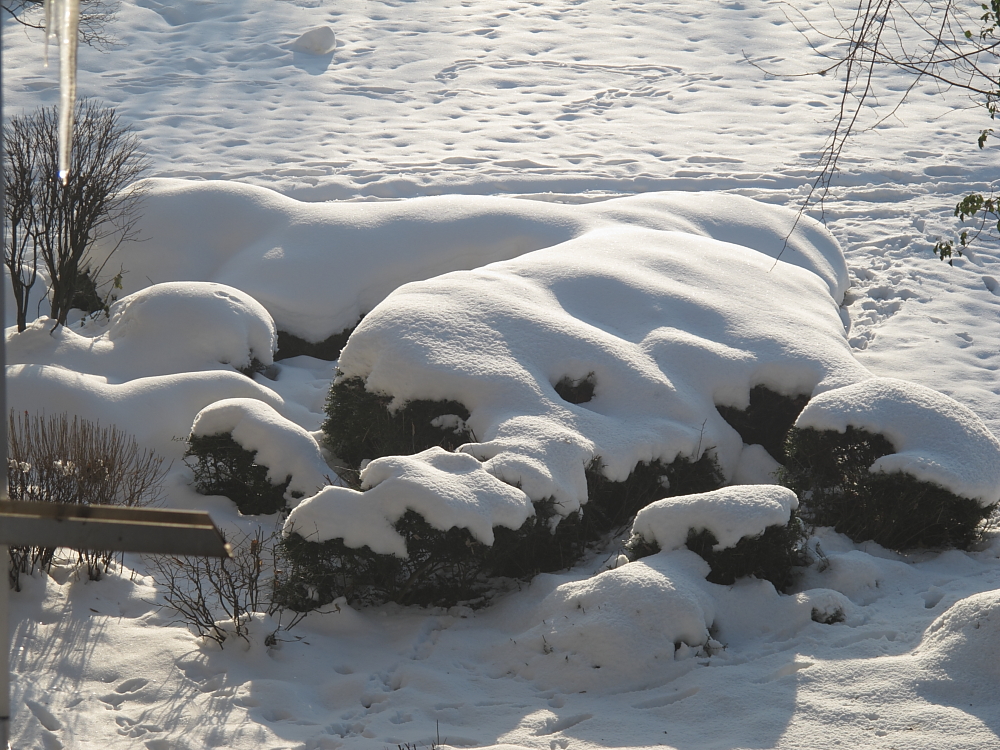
(361, 426)
(767, 419)
(436, 528)
(896, 463)
(245, 450)
(739, 531)
(535, 370)
(290, 345)
(57, 460)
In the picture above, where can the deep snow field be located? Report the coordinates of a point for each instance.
(543, 137)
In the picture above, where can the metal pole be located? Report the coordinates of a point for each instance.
(4, 553)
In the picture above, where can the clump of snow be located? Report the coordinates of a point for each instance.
(447, 489)
(318, 41)
(163, 329)
(730, 514)
(286, 449)
(669, 324)
(936, 438)
(317, 267)
(620, 627)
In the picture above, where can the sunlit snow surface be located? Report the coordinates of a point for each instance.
(588, 100)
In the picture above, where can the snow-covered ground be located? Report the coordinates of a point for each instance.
(567, 110)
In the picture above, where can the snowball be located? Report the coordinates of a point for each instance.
(669, 324)
(447, 489)
(318, 41)
(936, 438)
(730, 513)
(287, 450)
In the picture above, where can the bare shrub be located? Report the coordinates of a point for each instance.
(55, 460)
(218, 598)
(60, 223)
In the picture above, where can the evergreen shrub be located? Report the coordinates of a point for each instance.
(446, 567)
(290, 345)
(767, 420)
(576, 391)
(772, 555)
(829, 472)
(222, 466)
(360, 425)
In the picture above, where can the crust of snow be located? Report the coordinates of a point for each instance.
(447, 489)
(936, 438)
(730, 513)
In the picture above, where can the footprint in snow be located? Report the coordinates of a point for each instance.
(788, 669)
(44, 716)
(555, 724)
(124, 691)
(933, 597)
(666, 700)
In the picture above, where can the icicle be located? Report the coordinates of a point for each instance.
(62, 21)
(50, 31)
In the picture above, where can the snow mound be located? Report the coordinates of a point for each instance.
(730, 513)
(287, 450)
(317, 267)
(158, 411)
(318, 41)
(620, 627)
(447, 489)
(212, 320)
(669, 324)
(161, 330)
(964, 640)
(936, 438)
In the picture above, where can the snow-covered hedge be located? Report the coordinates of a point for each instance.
(245, 450)
(739, 531)
(896, 463)
(566, 374)
(437, 528)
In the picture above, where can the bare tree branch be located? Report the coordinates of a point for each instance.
(95, 18)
